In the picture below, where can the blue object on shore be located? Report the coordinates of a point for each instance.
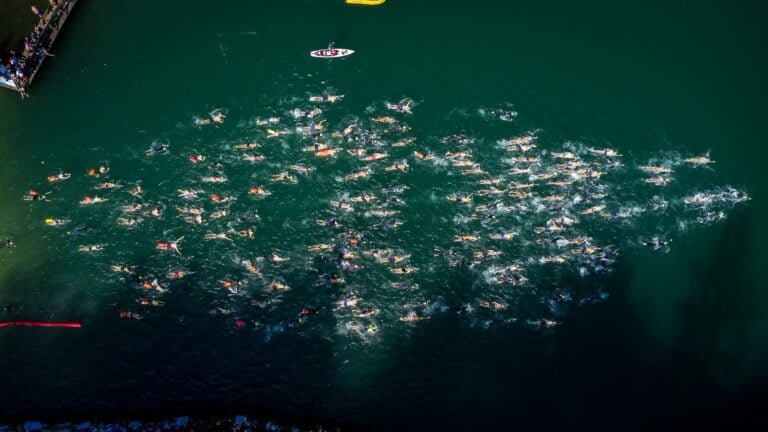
(31, 426)
(182, 421)
(240, 420)
(83, 426)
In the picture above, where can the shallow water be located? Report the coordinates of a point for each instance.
(685, 323)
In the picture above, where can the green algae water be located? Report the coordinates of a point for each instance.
(659, 337)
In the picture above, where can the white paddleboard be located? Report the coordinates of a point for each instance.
(334, 53)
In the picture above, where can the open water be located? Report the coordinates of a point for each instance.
(617, 335)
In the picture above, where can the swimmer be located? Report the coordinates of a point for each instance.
(301, 169)
(403, 270)
(247, 146)
(476, 170)
(656, 243)
(107, 185)
(319, 247)
(154, 212)
(328, 223)
(89, 200)
(170, 245)
(367, 198)
(365, 313)
(699, 160)
(488, 253)
(150, 302)
(495, 306)
(382, 213)
(401, 166)
(93, 172)
(394, 259)
(658, 180)
(267, 121)
(136, 191)
(564, 155)
(458, 139)
(7, 243)
(259, 192)
(195, 219)
(123, 269)
(253, 157)
(217, 116)
(177, 274)
(277, 258)
(358, 175)
(132, 315)
(244, 233)
(412, 317)
(326, 98)
(217, 236)
(154, 285)
(593, 209)
(326, 152)
(272, 133)
(404, 106)
(283, 177)
(467, 199)
(219, 214)
(384, 119)
(655, 169)
(360, 151)
(342, 205)
(221, 199)
(504, 235)
(214, 179)
(250, 267)
(423, 156)
(553, 260)
(129, 222)
(191, 210)
(33, 195)
(59, 177)
(316, 147)
(196, 158)
(346, 303)
(188, 193)
(403, 142)
(504, 115)
(157, 149)
(91, 248)
(462, 163)
(55, 222)
(374, 157)
(232, 286)
(604, 152)
(277, 286)
(465, 238)
(520, 171)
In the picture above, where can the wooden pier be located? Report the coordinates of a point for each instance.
(35, 53)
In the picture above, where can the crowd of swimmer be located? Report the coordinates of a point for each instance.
(522, 214)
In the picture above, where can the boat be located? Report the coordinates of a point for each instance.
(366, 2)
(331, 53)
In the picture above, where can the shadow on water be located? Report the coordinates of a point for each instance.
(599, 371)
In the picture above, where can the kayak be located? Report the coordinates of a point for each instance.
(334, 53)
(366, 2)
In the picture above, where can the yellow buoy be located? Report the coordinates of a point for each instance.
(366, 2)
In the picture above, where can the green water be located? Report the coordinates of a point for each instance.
(681, 332)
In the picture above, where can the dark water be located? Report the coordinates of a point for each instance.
(681, 340)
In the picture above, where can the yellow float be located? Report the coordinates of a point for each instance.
(366, 2)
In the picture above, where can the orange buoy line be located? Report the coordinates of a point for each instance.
(40, 324)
